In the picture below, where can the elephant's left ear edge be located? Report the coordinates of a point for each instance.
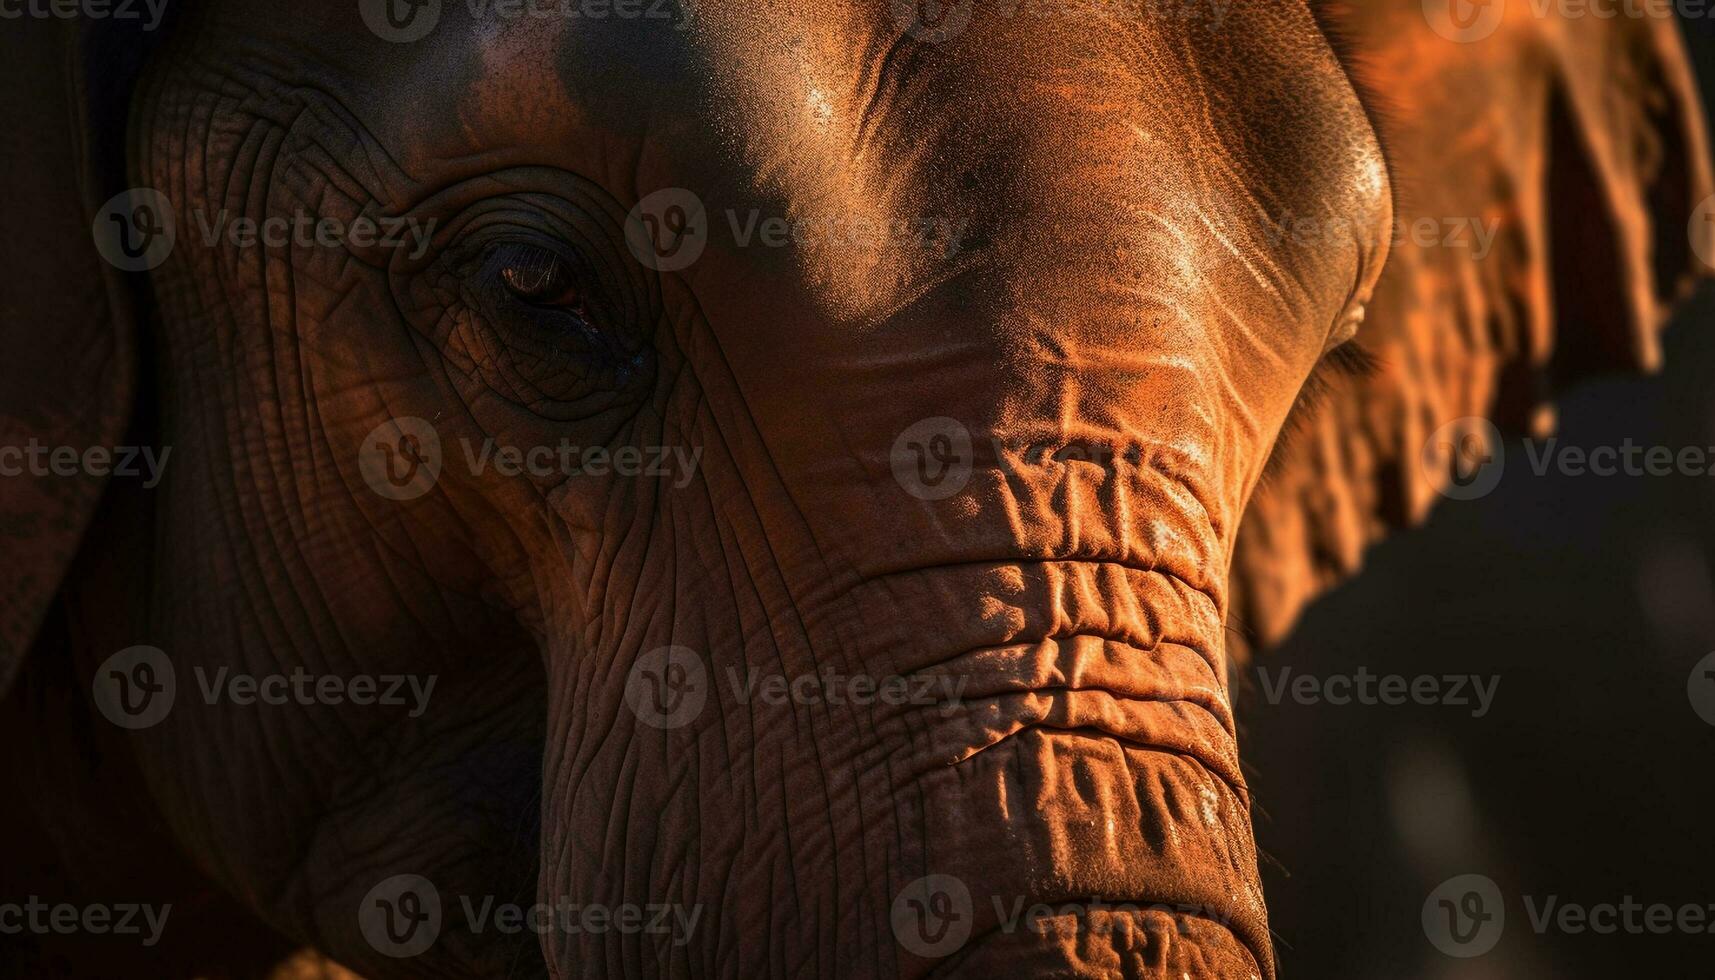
(68, 318)
(1585, 140)
(1630, 182)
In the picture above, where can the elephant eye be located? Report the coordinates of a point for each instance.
(539, 277)
(542, 325)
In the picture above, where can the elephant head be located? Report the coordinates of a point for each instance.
(808, 447)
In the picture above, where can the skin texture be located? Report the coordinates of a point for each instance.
(1119, 291)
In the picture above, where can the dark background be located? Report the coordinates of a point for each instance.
(1591, 777)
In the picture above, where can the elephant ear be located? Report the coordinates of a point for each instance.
(1581, 141)
(68, 333)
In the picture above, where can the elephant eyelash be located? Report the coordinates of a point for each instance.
(539, 276)
(1349, 361)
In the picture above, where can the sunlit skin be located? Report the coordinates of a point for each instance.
(1107, 309)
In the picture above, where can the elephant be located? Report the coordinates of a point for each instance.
(761, 488)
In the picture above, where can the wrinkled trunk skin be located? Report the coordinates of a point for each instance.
(1067, 738)
(1089, 758)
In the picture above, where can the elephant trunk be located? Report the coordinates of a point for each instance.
(906, 661)
(1018, 763)
(1080, 808)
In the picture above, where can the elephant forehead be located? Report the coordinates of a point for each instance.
(585, 85)
(1208, 153)
(1164, 142)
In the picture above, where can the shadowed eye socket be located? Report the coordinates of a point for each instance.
(544, 328)
(539, 276)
